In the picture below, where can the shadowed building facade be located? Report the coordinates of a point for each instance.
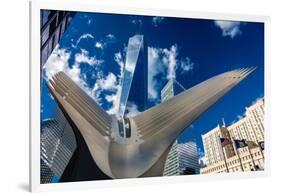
(152, 132)
(57, 146)
(53, 25)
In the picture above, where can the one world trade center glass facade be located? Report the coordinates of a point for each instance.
(134, 82)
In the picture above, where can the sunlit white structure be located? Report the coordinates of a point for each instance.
(152, 132)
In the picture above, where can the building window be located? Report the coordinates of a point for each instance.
(45, 35)
(44, 54)
(44, 17)
(60, 16)
(56, 40)
(62, 28)
(50, 46)
(53, 26)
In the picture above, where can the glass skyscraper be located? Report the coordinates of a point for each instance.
(182, 158)
(53, 25)
(171, 89)
(134, 81)
(58, 144)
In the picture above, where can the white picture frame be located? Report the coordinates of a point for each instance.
(87, 6)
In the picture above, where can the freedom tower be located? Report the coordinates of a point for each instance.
(134, 83)
(135, 74)
(117, 146)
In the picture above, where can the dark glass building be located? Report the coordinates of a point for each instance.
(53, 25)
(57, 146)
(56, 150)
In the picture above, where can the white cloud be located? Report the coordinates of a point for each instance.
(99, 45)
(110, 37)
(229, 28)
(74, 73)
(84, 36)
(57, 61)
(89, 21)
(165, 62)
(119, 60)
(113, 98)
(170, 59)
(155, 67)
(102, 44)
(136, 20)
(186, 65)
(157, 20)
(115, 85)
(132, 109)
(84, 57)
(107, 83)
(160, 61)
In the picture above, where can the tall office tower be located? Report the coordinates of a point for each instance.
(212, 145)
(53, 25)
(58, 144)
(182, 159)
(250, 127)
(172, 163)
(171, 89)
(134, 81)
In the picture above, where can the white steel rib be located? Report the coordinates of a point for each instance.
(152, 132)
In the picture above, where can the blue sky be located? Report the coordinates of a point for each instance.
(92, 53)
